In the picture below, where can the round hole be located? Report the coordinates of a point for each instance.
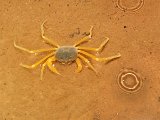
(129, 81)
(130, 5)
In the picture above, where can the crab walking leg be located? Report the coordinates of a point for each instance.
(95, 49)
(45, 38)
(79, 65)
(100, 59)
(34, 51)
(42, 69)
(51, 65)
(88, 62)
(37, 63)
(86, 38)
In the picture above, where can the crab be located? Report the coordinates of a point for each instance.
(66, 54)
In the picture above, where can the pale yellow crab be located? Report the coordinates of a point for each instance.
(66, 54)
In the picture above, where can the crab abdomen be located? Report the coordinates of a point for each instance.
(66, 54)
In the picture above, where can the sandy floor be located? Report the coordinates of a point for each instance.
(133, 32)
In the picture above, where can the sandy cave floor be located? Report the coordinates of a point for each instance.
(133, 32)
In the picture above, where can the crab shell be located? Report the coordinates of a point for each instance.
(66, 54)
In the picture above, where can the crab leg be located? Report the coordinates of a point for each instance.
(96, 49)
(47, 40)
(79, 65)
(33, 51)
(37, 63)
(88, 62)
(42, 69)
(100, 59)
(86, 38)
(51, 65)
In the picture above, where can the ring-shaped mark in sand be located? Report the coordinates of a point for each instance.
(129, 81)
(121, 5)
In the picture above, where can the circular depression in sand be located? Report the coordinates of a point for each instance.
(129, 81)
(130, 5)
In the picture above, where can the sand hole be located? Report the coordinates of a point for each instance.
(130, 5)
(129, 81)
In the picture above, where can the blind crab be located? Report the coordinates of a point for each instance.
(66, 54)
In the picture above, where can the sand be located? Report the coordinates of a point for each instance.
(133, 32)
